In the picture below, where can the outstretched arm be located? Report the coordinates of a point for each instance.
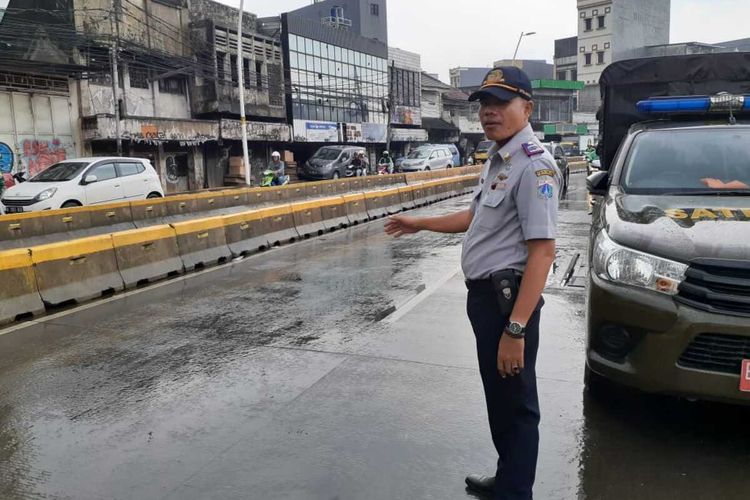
(458, 222)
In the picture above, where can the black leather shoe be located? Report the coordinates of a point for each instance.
(484, 485)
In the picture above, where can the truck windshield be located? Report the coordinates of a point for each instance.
(59, 172)
(697, 161)
(484, 146)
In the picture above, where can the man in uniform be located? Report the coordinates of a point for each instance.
(506, 258)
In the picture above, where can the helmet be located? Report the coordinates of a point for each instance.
(385, 153)
(275, 154)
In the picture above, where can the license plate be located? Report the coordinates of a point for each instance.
(745, 376)
(13, 210)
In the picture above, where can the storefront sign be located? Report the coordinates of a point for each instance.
(152, 131)
(312, 131)
(256, 131)
(408, 135)
(374, 132)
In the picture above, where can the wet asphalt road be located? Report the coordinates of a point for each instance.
(339, 368)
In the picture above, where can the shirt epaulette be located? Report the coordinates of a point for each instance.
(532, 149)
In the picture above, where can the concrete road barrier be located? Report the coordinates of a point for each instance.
(76, 222)
(180, 207)
(406, 194)
(356, 208)
(210, 200)
(333, 210)
(234, 197)
(147, 255)
(308, 218)
(202, 242)
(19, 295)
(278, 224)
(76, 270)
(17, 229)
(112, 217)
(246, 232)
(295, 191)
(150, 212)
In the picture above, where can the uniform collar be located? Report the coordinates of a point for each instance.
(523, 136)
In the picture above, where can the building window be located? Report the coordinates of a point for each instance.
(588, 24)
(600, 22)
(374, 9)
(582, 50)
(607, 10)
(595, 47)
(220, 60)
(138, 77)
(574, 74)
(583, 14)
(587, 59)
(246, 73)
(607, 45)
(172, 86)
(561, 75)
(595, 12)
(259, 74)
(233, 70)
(600, 58)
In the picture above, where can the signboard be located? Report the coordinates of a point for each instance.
(256, 131)
(745, 376)
(406, 115)
(152, 130)
(352, 132)
(409, 135)
(374, 132)
(313, 131)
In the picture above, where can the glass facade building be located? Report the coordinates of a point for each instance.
(333, 83)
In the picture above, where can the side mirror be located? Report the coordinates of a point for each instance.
(90, 179)
(597, 183)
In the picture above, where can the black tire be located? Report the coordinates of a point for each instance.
(427, 169)
(336, 175)
(449, 166)
(153, 195)
(71, 204)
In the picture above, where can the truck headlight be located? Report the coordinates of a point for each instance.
(46, 194)
(615, 263)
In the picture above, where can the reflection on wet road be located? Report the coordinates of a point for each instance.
(275, 377)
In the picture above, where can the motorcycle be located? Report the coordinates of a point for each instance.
(353, 170)
(268, 176)
(384, 169)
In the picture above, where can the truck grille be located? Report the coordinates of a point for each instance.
(718, 286)
(716, 352)
(18, 203)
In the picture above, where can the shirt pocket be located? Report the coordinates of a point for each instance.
(490, 215)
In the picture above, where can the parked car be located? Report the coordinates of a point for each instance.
(84, 181)
(329, 162)
(428, 158)
(570, 148)
(558, 152)
(455, 154)
(480, 153)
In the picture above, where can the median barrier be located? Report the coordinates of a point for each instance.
(377, 203)
(278, 222)
(327, 189)
(295, 191)
(368, 182)
(149, 212)
(76, 222)
(202, 242)
(180, 207)
(392, 201)
(406, 194)
(112, 217)
(147, 255)
(76, 270)
(237, 197)
(246, 232)
(256, 196)
(333, 210)
(17, 229)
(312, 190)
(356, 209)
(308, 218)
(19, 295)
(430, 195)
(210, 200)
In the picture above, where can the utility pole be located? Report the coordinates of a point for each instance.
(114, 63)
(519, 43)
(391, 106)
(241, 82)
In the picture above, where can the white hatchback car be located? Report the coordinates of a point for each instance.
(428, 158)
(84, 181)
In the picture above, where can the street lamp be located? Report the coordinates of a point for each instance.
(519, 42)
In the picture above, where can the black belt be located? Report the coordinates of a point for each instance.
(485, 284)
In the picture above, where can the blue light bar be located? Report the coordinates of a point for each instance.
(721, 103)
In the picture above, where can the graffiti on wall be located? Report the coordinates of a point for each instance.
(36, 155)
(6, 158)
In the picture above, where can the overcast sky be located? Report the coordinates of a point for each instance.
(483, 31)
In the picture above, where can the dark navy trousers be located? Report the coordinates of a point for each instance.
(512, 402)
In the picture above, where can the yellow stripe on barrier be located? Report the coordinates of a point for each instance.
(13, 259)
(140, 236)
(275, 211)
(305, 205)
(199, 225)
(243, 217)
(330, 201)
(71, 249)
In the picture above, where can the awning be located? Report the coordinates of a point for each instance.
(438, 124)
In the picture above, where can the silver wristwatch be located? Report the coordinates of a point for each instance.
(516, 330)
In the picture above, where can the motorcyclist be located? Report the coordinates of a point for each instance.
(277, 167)
(386, 159)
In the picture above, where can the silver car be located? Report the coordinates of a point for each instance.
(428, 158)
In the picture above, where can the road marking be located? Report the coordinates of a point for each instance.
(413, 302)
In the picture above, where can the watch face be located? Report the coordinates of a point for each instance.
(515, 328)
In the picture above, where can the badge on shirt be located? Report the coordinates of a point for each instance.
(545, 190)
(532, 149)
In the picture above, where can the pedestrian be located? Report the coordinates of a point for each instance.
(508, 250)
